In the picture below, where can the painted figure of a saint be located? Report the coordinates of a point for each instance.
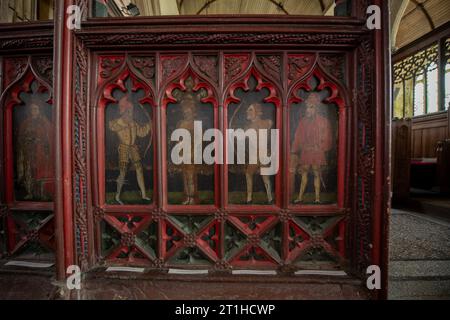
(128, 131)
(190, 182)
(34, 167)
(312, 142)
(254, 121)
(190, 172)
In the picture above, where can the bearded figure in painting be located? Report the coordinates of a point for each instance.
(312, 141)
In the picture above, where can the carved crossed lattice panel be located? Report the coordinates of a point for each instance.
(31, 235)
(129, 239)
(315, 240)
(240, 241)
(255, 241)
(192, 240)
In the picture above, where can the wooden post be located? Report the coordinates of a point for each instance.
(382, 120)
(63, 60)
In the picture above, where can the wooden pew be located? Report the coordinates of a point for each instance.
(443, 165)
(401, 159)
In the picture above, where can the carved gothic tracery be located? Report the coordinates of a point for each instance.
(222, 223)
(27, 121)
(171, 234)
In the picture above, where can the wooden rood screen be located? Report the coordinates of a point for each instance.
(221, 215)
(124, 93)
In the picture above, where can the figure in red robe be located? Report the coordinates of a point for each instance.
(312, 141)
(34, 165)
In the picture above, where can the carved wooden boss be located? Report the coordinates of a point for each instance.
(122, 86)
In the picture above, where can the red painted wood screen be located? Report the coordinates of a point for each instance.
(219, 230)
(27, 146)
(120, 199)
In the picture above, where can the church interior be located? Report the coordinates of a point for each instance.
(387, 166)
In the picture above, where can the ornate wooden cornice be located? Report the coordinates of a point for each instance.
(25, 43)
(226, 30)
(26, 37)
(230, 38)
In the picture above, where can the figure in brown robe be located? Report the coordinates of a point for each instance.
(35, 169)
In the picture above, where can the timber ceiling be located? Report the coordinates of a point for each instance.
(294, 7)
(421, 17)
(209, 7)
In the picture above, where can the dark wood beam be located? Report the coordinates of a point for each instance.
(280, 6)
(322, 6)
(180, 5)
(205, 6)
(425, 12)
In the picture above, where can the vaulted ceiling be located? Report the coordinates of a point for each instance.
(210, 7)
(294, 7)
(418, 18)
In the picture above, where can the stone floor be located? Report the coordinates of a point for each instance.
(419, 269)
(419, 257)
(26, 286)
(246, 289)
(40, 287)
